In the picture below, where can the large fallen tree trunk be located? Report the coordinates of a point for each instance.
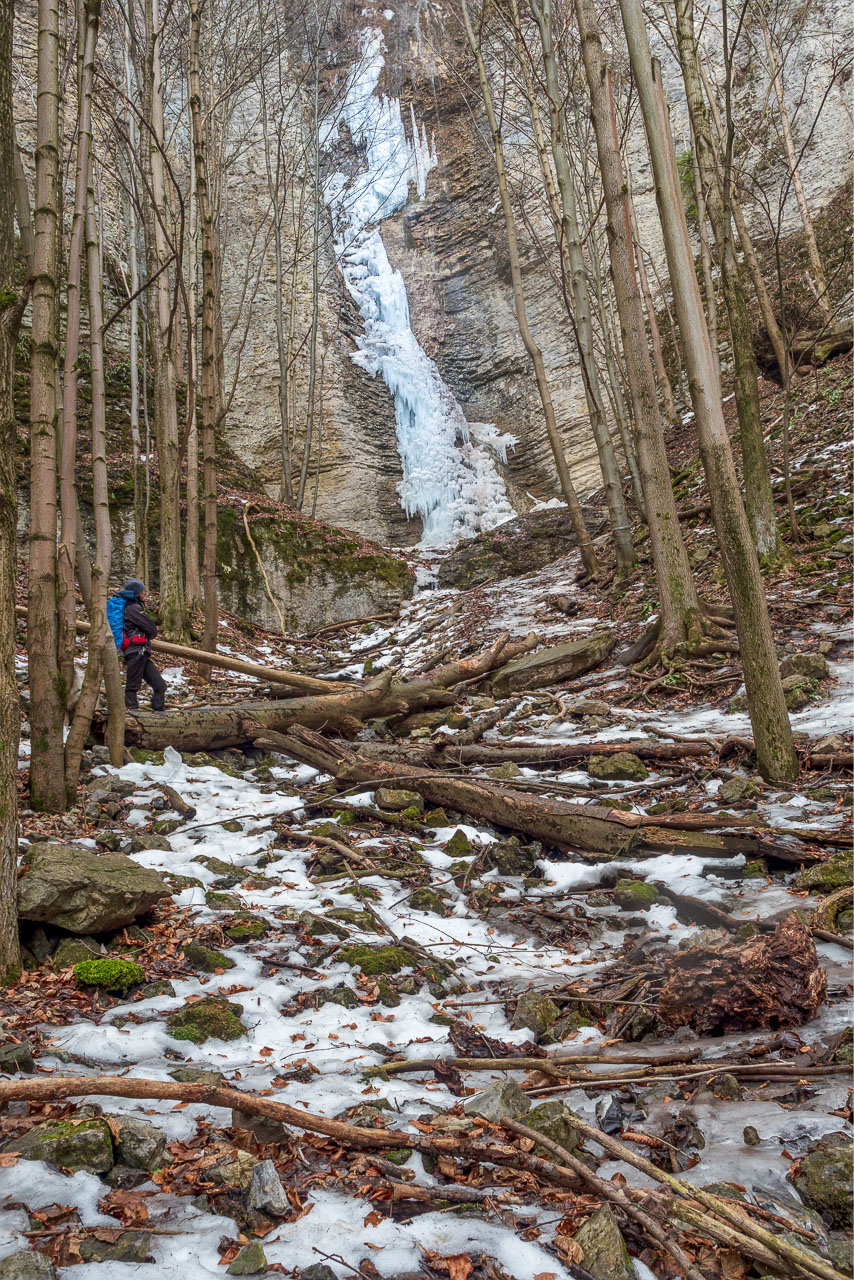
(584, 827)
(208, 728)
(292, 681)
(438, 754)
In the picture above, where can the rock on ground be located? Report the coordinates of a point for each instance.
(85, 892)
(557, 663)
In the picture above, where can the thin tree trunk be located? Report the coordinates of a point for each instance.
(11, 307)
(47, 691)
(706, 263)
(819, 278)
(210, 407)
(67, 555)
(22, 208)
(680, 607)
(315, 296)
(192, 581)
(772, 732)
(569, 236)
(588, 555)
(757, 479)
(159, 302)
(763, 297)
(664, 384)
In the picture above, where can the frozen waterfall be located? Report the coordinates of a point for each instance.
(449, 479)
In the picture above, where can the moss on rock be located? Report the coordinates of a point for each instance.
(211, 1018)
(373, 961)
(108, 974)
(204, 959)
(635, 895)
(835, 873)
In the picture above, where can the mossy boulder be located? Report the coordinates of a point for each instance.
(504, 772)
(376, 961)
(519, 546)
(69, 1144)
(236, 1171)
(28, 1265)
(824, 877)
(436, 818)
(397, 800)
(812, 665)
(459, 845)
(72, 951)
(143, 843)
(16, 1058)
(736, 789)
(222, 901)
(211, 1018)
(823, 1181)
(623, 766)
(535, 1011)
(108, 974)
(635, 895)
(511, 858)
(204, 959)
(427, 899)
(165, 826)
(342, 995)
(251, 1261)
(197, 1075)
(603, 1247)
(554, 664)
(139, 1144)
(248, 929)
(317, 573)
(358, 919)
(84, 892)
(129, 1247)
(554, 1120)
(321, 925)
(798, 691)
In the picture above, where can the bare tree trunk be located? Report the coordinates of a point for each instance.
(11, 307)
(140, 533)
(98, 634)
(160, 324)
(315, 295)
(757, 479)
(819, 278)
(67, 555)
(664, 384)
(47, 691)
(588, 555)
(680, 607)
(192, 581)
(210, 407)
(569, 238)
(775, 752)
(22, 208)
(763, 297)
(706, 263)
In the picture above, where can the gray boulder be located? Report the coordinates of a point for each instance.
(139, 1145)
(266, 1192)
(535, 1011)
(623, 766)
(504, 1098)
(26, 1266)
(85, 892)
(553, 665)
(604, 1249)
(87, 1144)
(812, 665)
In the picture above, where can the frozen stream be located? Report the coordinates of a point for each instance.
(450, 479)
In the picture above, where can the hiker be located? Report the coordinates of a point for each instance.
(133, 631)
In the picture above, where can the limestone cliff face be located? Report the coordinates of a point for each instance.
(449, 246)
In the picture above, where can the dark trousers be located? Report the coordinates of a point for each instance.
(140, 668)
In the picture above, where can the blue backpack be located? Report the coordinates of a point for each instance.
(116, 619)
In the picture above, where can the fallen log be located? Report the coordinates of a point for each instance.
(291, 680)
(771, 981)
(581, 827)
(455, 751)
(210, 727)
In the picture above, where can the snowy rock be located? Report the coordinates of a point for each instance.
(623, 766)
(320, 925)
(554, 664)
(536, 1012)
(609, 1114)
(504, 772)
(251, 1261)
(204, 959)
(85, 892)
(211, 1018)
(85, 1145)
(511, 858)
(835, 873)
(26, 1266)
(735, 789)
(140, 844)
(604, 1249)
(396, 799)
(635, 895)
(589, 707)
(139, 1144)
(812, 665)
(504, 1098)
(317, 1271)
(266, 1192)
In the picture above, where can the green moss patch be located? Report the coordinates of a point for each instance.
(212, 1018)
(205, 960)
(108, 974)
(378, 960)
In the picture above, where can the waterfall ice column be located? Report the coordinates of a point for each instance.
(449, 480)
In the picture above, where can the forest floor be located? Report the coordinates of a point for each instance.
(437, 936)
